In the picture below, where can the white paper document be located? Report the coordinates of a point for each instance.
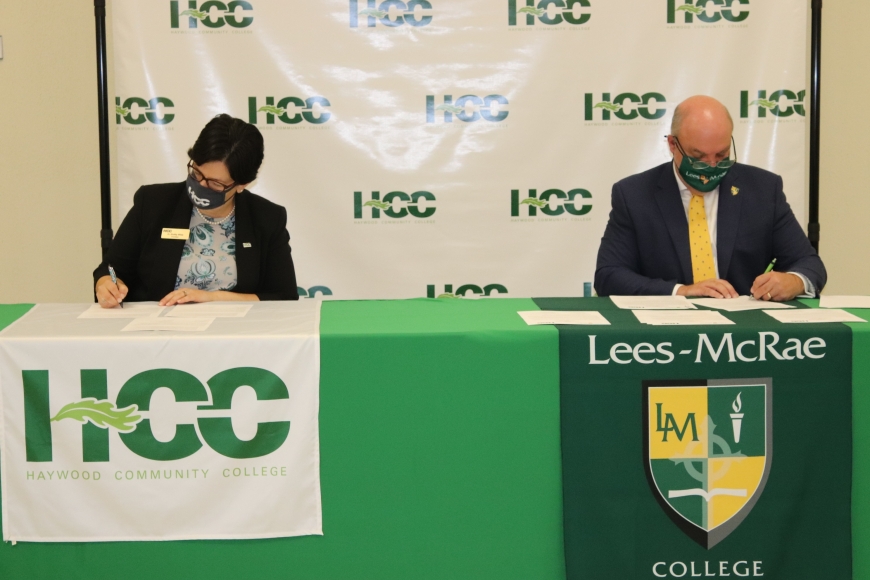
(533, 317)
(209, 310)
(164, 323)
(844, 302)
(131, 310)
(739, 304)
(671, 318)
(813, 315)
(652, 302)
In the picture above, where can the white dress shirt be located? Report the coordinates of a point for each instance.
(711, 209)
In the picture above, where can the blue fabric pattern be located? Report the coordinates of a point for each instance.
(209, 244)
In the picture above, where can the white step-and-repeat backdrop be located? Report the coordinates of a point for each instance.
(462, 147)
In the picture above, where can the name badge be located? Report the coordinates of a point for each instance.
(246, 244)
(174, 234)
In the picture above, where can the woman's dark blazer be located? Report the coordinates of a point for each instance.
(148, 264)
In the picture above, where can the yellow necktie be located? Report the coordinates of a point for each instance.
(703, 267)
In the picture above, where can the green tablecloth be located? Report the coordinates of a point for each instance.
(440, 458)
(439, 435)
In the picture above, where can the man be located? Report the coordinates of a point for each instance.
(704, 225)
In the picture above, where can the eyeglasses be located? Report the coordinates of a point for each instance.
(698, 164)
(212, 184)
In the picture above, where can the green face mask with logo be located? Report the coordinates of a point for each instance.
(701, 176)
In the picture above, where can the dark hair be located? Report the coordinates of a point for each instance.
(238, 144)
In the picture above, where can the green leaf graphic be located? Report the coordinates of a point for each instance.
(373, 12)
(100, 413)
(690, 8)
(377, 204)
(765, 103)
(607, 105)
(448, 295)
(123, 111)
(198, 14)
(272, 109)
(534, 202)
(532, 10)
(450, 109)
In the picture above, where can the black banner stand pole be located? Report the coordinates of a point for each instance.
(103, 97)
(815, 109)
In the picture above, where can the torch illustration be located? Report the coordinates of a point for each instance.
(736, 418)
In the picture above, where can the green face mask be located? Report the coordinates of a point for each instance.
(703, 180)
(701, 176)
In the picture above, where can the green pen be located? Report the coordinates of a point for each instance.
(770, 266)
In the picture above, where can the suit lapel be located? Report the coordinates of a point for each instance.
(247, 248)
(728, 219)
(674, 214)
(178, 219)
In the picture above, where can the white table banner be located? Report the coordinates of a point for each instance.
(160, 435)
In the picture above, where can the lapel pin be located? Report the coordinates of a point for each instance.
(735, 190)
(246, 244)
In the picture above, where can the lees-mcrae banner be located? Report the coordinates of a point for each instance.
(459, 147)
(690, 452)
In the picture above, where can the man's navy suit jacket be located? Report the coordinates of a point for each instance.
(645, 248)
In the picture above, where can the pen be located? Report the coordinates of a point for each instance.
(769, 267)
(115, 281)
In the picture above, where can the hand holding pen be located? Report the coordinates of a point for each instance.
(110, 290)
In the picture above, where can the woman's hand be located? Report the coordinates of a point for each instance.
(190, 295)
(186, 295)
(109, 294)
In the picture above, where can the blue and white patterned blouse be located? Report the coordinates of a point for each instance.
(208, 261)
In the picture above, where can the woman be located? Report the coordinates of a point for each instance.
(204, 239)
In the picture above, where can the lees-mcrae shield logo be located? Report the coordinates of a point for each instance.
(708, 450)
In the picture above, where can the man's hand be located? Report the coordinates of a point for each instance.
(109, 294)
(777, 286)
(713, 288)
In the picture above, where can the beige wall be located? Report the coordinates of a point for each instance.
(49, 198)
(844, 211)
(49, 163)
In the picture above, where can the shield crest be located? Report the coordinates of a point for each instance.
(708, 449)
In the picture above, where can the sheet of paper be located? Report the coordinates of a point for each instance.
(680, 318)
(813, 315)
(209, 310)
(533, 317)
(652, 302)
(164, 323)
(739, 304)
(844, 302)
(130, 310)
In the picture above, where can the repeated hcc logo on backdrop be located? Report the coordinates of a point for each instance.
(467, 108)
(549, 12)
(313, 292)
(137, 111)
(211, 14)
(781, 103)
(625, 106)
(465, 290)
(707, 11)
(289, 110)
(394, 205)
(551, 202)
(391, 13)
